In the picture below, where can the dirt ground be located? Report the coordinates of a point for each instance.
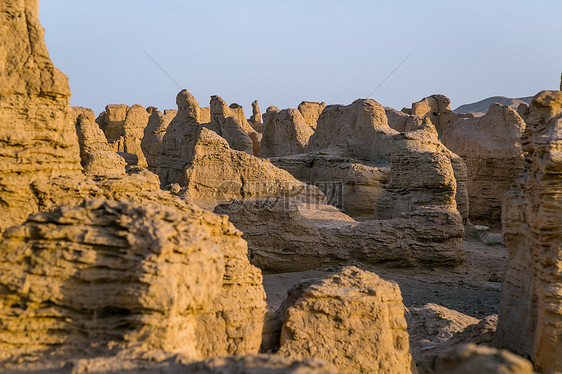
(473, 288)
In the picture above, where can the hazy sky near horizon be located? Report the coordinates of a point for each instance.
(283, 52)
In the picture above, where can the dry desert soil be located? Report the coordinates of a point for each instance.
(473, 288)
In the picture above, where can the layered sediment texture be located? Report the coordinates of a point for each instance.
(37, 135)
(530, 319)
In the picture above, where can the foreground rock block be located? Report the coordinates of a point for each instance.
(229, 322)
(353, 319)
(470, 358)
(490, 147)
(530, 318)
(434, 329)
(232, 322)
(106, 273)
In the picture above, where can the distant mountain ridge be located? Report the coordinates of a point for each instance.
(481, 107)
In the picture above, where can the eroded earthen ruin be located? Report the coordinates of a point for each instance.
(530, 316)
(490, 147)
(321, 239)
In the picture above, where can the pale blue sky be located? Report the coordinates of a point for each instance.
(283, 52)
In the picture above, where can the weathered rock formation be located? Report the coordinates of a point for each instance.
(490, 147)
(179, 140)
(124, 129)
(96, 156)
(285, 133)
(133, 132)
(205, 114)
(470, 358)
(311, 112)
(360, 128)
(288, 236)
(37, 134)
(414, 221)
(436, 108)
(231, 124)
(353, 147)
(154, 131)
(353, 319)
(106, 273)
(423, 174)
(255, 120)
(523, 110)
(434, 329)
(256, 113)
(349, 184)
(217, 174)
(232, 322)
(40, 169)
(111, 121)
(351, 179)
(530, 318)
(401, 121)
(203, 163)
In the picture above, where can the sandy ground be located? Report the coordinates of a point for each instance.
(473, 289)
